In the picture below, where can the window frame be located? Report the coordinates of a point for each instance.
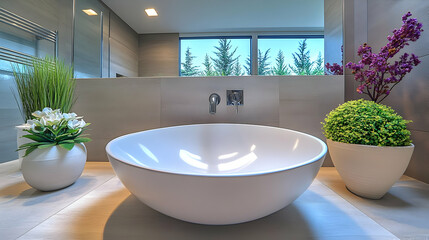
(247, 36)
(290, 36)
(253, 37)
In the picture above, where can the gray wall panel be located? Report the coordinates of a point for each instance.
(419, 164)
(124, 105)
(382, 25)
(115, 107)
(410, 97)
(158, 55)
(333, 31)
(123, 48)
(123, 33)
(185, 100)
(9, 118)
(123, 60)
(305, 101)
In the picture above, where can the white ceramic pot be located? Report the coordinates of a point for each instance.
(20, 140)
(369, 171)
(54, 167)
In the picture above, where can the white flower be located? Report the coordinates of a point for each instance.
(74, 124)
(53, 118)
(37, 114)
(46, 112)
(33, 124)
(69, 116)
(43, 113)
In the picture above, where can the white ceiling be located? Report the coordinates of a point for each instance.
(193, 16)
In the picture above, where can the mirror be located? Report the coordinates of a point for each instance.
(88, 32)
(280, 45)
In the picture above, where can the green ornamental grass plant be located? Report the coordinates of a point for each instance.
(46, 82)
(368, 123)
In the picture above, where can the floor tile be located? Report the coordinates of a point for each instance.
(98, 206)
(317, 214)
(404, 210)
(23, 207)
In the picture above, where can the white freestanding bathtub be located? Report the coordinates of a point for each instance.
(217, 173)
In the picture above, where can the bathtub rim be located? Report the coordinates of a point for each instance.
(318, 157)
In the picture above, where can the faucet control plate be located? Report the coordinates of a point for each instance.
(234, 97)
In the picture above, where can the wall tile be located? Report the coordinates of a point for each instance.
(123, 33)
(333, 31)
(185, 100)
(123, 60)
(119, 106)
(419, 164)
(411, 96)
(116, 107)
(382, 25)
(305, 101)
(158, 55)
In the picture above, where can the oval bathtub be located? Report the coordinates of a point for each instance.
(217, 173)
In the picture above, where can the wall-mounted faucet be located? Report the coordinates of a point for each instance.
(235, 98)
(214, 100)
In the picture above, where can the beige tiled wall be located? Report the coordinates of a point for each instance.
(186, 100)
(305, 101)
(333, 31)
(116, 106)
(123, 43)
(119, 106)
(158, 55)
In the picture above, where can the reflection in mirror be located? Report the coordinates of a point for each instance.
(88, 39)
(21, 39)
(293, 49)
(333, 31)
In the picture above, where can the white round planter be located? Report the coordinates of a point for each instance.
(54, 167)
(369, 171)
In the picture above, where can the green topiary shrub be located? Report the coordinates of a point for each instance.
(368, 123)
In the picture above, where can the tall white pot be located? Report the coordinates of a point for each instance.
(369, 171)
(54, 167)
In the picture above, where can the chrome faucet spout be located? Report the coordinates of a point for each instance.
(214, 100)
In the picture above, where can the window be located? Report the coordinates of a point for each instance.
(290, 55)
(215, 56)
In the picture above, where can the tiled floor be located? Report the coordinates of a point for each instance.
(97, 206)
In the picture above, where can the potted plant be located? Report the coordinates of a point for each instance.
(370, 146)
(45, 82)
(56, 156)
(368, 142)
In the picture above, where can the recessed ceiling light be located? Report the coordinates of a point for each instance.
(90, 12)
(151, 12)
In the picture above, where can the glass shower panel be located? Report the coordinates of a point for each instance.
(88, 39)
